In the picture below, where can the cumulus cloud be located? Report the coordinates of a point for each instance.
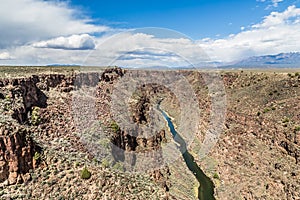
(139, 49)
(24, 21)
(74, 42)
(47, 40)
(5, 56)
(29, 55)
(278, 32)
(290, 16)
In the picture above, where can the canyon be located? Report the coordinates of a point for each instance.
(56, 122)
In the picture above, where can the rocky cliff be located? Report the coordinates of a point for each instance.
(45, 143)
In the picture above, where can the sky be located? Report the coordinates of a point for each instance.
(110, 32)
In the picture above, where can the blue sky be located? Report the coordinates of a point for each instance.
(197, 19)
(42, 32)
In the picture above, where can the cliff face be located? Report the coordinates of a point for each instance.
(22, 94)
(256, 157)
(39, 136)
(261, 136)
(124, 141)
(16, 154)
(21, 100)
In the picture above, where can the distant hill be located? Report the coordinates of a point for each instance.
(280, 60)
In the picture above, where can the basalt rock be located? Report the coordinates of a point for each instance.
(25, 93)
(292, 149)
(17, 150)
(111, 74)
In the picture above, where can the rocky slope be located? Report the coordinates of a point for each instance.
(54, 125)
(42, 153)
(261, 140)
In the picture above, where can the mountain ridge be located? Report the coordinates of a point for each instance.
(280, 60)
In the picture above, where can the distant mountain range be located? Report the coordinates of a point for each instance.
(63, 65)
(291, 60)
(282, 60)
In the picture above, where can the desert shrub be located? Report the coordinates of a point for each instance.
(266, 110)
(35, 116)
(297, 74)
(115, 127)
(105, 163)
(285, 120)
(37, 156)
(216, 176)
(85, 173)
(118, 166)
(297, 128)
(7, 103)
(95, 160)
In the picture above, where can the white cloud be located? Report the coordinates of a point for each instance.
(143, 50)
(5, 56)
(278, 32)
(271, 3)
(74, 42)
(51, 40)
(275, 2)
(290, 15)
(24, 21)
(29, 55)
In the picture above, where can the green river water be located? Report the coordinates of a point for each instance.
(206, 188)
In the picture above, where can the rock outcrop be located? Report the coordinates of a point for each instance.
(17, 150)
(19, 99)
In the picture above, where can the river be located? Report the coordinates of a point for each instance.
(206, 186)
